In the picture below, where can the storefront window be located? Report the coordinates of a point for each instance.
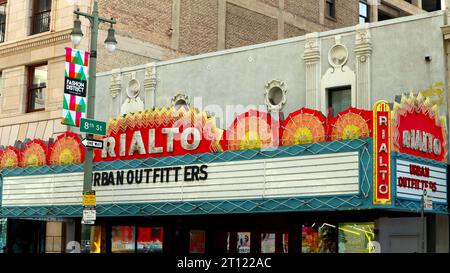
(285, 242)
(150, 240)
(2, 235)
(356, 237)
(319, 238)
(268, 243)
(243, 242)
(197, 241)
(123, 239)
(96, 239)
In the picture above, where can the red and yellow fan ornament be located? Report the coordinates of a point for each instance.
(66, 150)
(352, 123)
(251, 130)
(304, 126)
(34, 154)
(9, 158)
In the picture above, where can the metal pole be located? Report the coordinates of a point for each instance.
(95, 20)
(422, 216)
(90, 114)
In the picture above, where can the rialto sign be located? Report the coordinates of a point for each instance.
(419, 130)
(382, 153)
(165, 133)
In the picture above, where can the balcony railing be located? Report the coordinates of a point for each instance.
(2, 32)
(41, 22)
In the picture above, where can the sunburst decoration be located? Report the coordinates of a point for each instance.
(250, 130)
(352, 123)
(304, 126)
(34, 154)
(413, 106)
(9, 158)
(66, 150)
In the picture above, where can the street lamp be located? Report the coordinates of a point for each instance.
(110, 42)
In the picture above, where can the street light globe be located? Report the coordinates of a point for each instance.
(76, 39)
(77, 34)
(111, 41)
(111, 47)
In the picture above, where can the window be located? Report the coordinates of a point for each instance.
(363, 12)
(123, 239)
(197, 241)
(356, 237)
(2, 20)
(150, 240)
(37, 84)
(40, 21)
(319, 238)
(339, 99)
(330, 8)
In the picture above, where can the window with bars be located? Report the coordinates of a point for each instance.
(2, 20)
(363, 12)
(40, 21)
(37, 84)
(330, 8)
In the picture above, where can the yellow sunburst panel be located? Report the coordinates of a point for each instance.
(419, 104)
(250, 132)
(303, 129)
(151, 118)
(34, 155)
(9, 159)
(350, 126)
(65, 151)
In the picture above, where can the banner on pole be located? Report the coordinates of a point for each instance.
(75, 87)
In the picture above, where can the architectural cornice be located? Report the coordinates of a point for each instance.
(446, 32)
(34, 41)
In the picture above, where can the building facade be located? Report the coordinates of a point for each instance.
(32, 43)
(308, 144)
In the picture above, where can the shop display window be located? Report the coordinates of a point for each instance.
(123, 239)
(319, 238)
(2, 235)
(96, 239)
(197, 241)
(356, 237)
(285, 242)
(267, 242)
(150, 240)
(243, 242)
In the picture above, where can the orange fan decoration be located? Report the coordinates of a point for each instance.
(304, 126)
(34, 154)
(352, 123)
(250, 130)
(9, 158)
(66, 150)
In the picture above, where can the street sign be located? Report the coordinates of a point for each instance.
(427, 201)
(94, 127)
(89, 199)
(89, 215)
(92, 143)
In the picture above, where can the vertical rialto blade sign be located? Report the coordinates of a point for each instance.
(75, 87)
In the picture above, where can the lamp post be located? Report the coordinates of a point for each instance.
(110, 43)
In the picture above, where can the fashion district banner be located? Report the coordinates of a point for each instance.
(75, 87)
